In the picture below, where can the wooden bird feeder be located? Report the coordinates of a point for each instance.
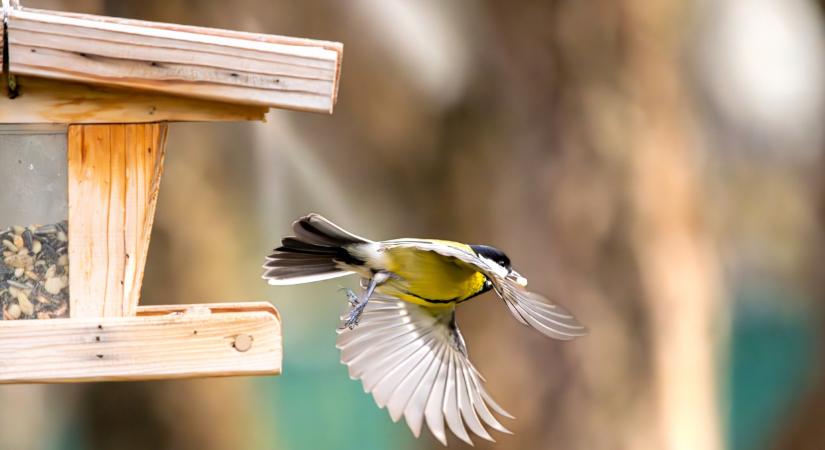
(83, 113)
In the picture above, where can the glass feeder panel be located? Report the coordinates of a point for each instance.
(34, 268)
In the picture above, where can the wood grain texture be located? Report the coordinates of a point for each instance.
(191, 61)
(50, 101)
(170, 343)
(114, 177)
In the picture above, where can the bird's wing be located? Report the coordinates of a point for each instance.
(414, 362)
(527, 307)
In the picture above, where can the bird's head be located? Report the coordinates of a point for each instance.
(498, 258)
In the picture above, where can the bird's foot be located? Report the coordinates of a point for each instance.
(352, 297)
(354, 315)
(359, 303)
(357, 306)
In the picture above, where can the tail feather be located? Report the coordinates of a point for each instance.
(296, 245)
(316, 252)
(315, 229)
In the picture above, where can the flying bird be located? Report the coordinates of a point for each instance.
(400, 337)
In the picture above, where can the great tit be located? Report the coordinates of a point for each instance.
(409, 352)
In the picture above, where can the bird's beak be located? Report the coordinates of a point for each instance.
(515, 276)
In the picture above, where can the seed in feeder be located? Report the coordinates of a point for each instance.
(46, 230)
(26, 267)
(25, 305)
(53, 285)
(13, 311)
(19, 261)
(19, 286)
(27, 239)
(10, 245)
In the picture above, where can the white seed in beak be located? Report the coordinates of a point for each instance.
(515, 276)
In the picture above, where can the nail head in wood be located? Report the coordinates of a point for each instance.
(243, 342)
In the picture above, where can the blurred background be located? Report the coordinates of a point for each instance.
(654, 166)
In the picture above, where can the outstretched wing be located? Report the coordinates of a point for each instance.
(527, 307)
(414, 362)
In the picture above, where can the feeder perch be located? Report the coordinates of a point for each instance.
(83, 113)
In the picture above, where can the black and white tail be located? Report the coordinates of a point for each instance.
(318, 251)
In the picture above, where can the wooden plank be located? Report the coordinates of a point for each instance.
(208, 340)
(198, 62)
(114, 177)
(50, 101)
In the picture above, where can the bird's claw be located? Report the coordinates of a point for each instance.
(352, 297)
(360, 303)
(357, 308)
(354, 315)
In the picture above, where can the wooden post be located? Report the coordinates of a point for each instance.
(114, 176)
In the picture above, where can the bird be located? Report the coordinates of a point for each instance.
(400, 336)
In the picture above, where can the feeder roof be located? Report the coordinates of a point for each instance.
(218, 66)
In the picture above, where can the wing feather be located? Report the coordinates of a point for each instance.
(451, 408)
(388, 367)
(413, 361)
(376, 362)
(474, 388)
(404, 390)
(414, 409)
(466, 405)
(433, 414)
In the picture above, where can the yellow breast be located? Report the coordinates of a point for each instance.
(430, 279)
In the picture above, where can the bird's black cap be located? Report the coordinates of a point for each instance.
(492, 253)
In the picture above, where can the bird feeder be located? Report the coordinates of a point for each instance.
(83, 121)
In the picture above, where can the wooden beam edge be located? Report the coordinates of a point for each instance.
(189, 341)
(240, 94)
(43, 100)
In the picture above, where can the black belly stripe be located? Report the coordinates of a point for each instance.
(429, 300)
(484, 289)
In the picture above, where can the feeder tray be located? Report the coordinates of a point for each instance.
(101, 90)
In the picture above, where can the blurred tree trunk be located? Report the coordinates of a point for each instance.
(679, 271)
(803, 430)
(625, 219)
